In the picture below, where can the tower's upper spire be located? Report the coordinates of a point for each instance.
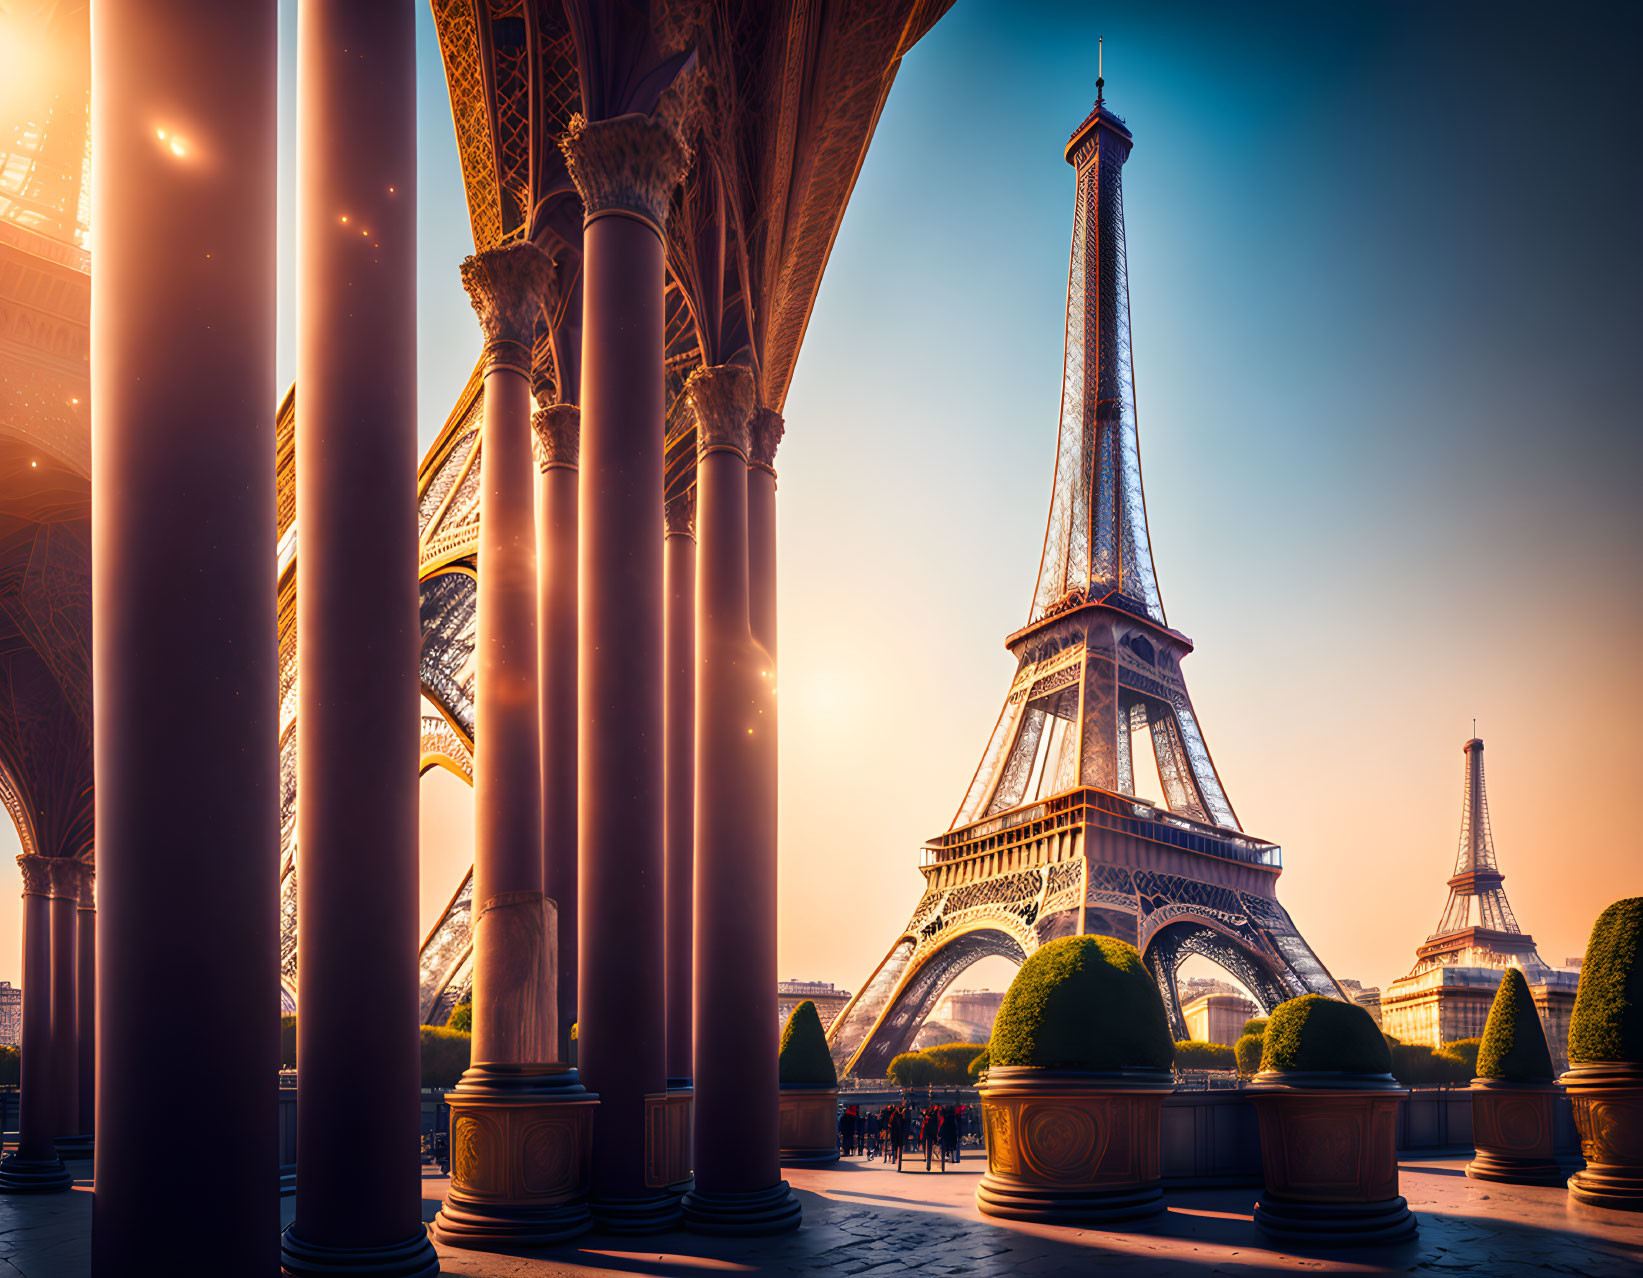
(1096, 545)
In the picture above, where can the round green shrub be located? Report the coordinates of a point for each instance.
(462, 1017)
(1314, 1033)
(1420, 1065)
(1467, 1050)
(1086, 1003)
(1246, 1054)
(1192, 1054)
(978, 1067)
(1607, 1023)
(1513, 1048)
(951, 1061)
(445, 1054)
(1255, 1025)
(805, 1060)
(288, 1042)
(912, 1069)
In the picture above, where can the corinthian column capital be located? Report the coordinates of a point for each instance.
(767, 430)
(64, 878)
(36, 874)
(627, 165)
(558, 430)
(721, 397)
(508, 286)
(680, 514)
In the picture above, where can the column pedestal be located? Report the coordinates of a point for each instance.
(35, 1168)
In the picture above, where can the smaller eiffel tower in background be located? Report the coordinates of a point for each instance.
(1447, 994)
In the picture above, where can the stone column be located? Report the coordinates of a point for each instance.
(558, 431)
(625, 169)
(86, 1001)
(520, 1124)
(65, 1014)
(184, 652)
(35, 1167)
(739, 1189)
(764, 436)
(359, 1178)
(680, 684)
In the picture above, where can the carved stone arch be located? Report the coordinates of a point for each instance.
(12, 797)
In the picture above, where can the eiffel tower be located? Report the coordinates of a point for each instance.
(1494, 939)
(1052, 839)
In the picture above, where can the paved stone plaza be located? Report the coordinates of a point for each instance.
(862, 1219)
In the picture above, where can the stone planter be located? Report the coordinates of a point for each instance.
(1608, 1105)
(1329, 1159)
(1512, 1127)
(807, 1131)
(1066, 1146)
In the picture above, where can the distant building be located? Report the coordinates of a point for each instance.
(827, 997)
(1448, 992)
(11, 1014)
(1217, 1018)
(1368, 998)
(963, 1016)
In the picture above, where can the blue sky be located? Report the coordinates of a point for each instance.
(1384, 272)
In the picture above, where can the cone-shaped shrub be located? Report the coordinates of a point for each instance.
(1255, 1025)
(978, 1067)
(805, 1060)
(1247, 1053)
(1607, 1024)
(1086, 1003)
(1317, 1033)
(1514, 1045)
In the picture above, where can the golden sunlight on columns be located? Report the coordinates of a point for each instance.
(679, 680)
(35, 1167)
(558, 430)
(521, 1124)
(738, 1189)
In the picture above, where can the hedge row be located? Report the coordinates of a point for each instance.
(1191, 1054)
(947, 1065)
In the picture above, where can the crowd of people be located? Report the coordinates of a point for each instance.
(938, 1132)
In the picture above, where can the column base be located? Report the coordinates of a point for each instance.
(1336, 1224)
(1488, 1165)
(521, 1158)
(75, 1146)
(1072, 1205)
(763, 1211)
(33, 1175)
(653, 1214)
(413, 1258)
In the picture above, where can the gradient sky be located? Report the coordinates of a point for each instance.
(1385, 275)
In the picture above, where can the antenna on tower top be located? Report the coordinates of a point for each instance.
(1099, 42)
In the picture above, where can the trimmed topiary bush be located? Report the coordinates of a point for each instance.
(445, 1054)
(1084, 1003)
(1513, 1048)
(912, 1069)
(1246, 1054)
(1418, 1065)
(1191, 1054)
(1467, 1050)
(1255, 1025)
(805, 1060)
(1314, 1033)
(1607, 1024)
(951, 1061)
(288, 1042)
(11, 1066)
(462, 1017)
(978, 1067)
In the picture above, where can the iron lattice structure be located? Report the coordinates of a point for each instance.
(1050, 839)
(777, 100)
(1478, 928)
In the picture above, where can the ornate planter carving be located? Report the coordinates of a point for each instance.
(1071, 1145)
(808, 1125)
(1329, 1158)
(521, 1158)
(1608, 1105)
(1513, 1125)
